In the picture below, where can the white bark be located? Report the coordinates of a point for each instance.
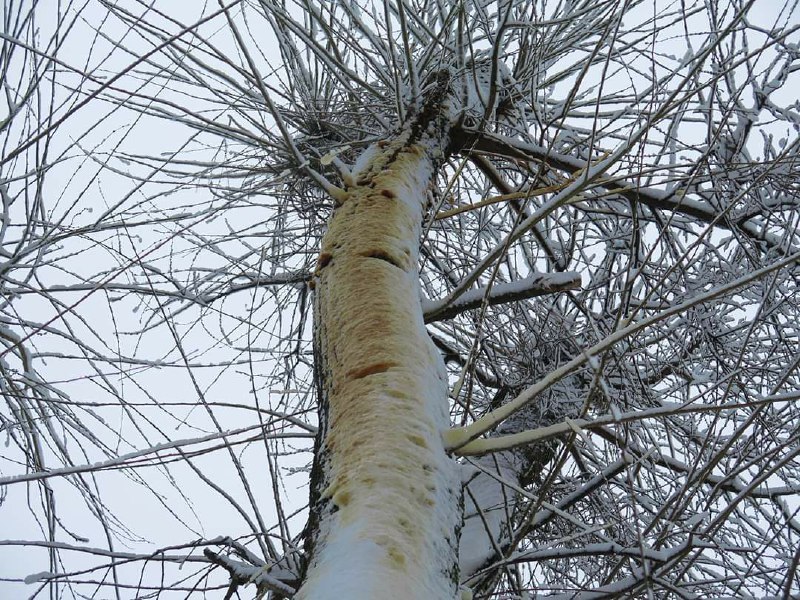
(385, 522)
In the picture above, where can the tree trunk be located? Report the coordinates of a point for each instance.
(386, 498)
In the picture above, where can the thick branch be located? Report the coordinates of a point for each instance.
(538, 284)
(534, 436)
(673, 201)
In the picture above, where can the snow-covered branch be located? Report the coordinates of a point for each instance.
(539, 284)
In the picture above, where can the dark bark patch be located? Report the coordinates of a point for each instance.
(379, 367)
(397, 557)
(323, 260)
(384, 256)
(342, 499)
(418, 440)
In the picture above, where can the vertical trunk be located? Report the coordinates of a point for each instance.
(386, 499)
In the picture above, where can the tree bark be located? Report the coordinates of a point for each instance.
(386, 498)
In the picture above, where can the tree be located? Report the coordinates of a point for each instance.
(511, 286)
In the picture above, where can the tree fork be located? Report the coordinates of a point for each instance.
(386, 500)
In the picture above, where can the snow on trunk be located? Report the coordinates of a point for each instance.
(386, 505)
(497, 478)
(487, 511)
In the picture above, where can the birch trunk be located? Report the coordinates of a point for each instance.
(386, 504)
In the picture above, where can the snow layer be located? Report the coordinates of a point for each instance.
(486, 517)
